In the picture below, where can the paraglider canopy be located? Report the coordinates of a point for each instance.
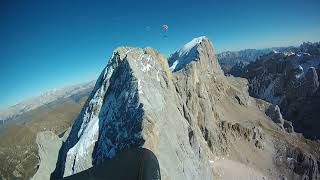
(165, 27)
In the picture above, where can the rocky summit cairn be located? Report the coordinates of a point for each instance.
(199, 123)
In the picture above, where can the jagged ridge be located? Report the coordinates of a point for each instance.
(189, 119)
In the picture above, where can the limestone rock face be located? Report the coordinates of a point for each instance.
(198, 50)
(134, 105)
(274, 113)
(187, 112)
(48, 146)
(291, 81)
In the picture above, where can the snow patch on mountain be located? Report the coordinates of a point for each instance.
(185, 55)
(187, 47)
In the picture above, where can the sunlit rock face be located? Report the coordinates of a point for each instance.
(134, 104)
(189, 114)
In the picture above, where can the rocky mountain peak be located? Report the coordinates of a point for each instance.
(133, 105)
(191, 118)
(197, 50)
(291, 81)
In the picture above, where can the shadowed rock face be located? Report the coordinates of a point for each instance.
(232, 61)
(289, 80)
(189, 117)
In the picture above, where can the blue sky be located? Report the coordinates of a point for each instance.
(51, 44)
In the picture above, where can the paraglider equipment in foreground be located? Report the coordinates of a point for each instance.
(132, 164)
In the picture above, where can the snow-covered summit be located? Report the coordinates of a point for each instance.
(188, 47)
(186, 54)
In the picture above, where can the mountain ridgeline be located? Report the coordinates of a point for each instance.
(198, 122)
(289, 80)
(229, 59)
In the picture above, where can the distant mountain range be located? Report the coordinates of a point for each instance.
(46, 98)
(230, 58)
(289, 79)
(53, 111)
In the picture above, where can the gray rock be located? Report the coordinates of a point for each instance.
(304, 165)
(287, 125)
(147, 116)
(289, 80)
(48, 146)
(187, 117)
(274, 113)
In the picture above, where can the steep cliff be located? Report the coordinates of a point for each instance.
(199, 123)
(291, 81)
